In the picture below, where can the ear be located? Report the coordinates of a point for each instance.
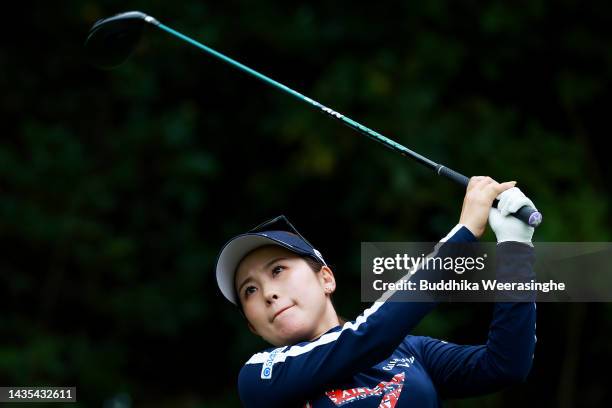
(326, 277)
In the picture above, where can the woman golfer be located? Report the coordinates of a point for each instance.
(283, 287)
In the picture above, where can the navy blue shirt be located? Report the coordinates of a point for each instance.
(374, 362)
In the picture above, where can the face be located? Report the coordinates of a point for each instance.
(283, 299)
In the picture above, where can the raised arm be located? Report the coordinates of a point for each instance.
(506, 358)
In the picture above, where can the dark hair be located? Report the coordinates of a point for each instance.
(314, 264)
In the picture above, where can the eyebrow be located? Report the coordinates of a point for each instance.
(266, 266)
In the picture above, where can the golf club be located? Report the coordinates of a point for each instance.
(112, 40)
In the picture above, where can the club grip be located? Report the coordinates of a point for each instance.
(527, 214)
(453, 175)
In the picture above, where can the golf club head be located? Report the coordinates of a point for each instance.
(111, 40)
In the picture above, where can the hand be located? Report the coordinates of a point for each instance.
(479, 196)
(505, 226)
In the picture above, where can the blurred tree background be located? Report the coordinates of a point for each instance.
(118, 188)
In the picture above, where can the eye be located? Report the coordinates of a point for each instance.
(249, 290)
(277, 269)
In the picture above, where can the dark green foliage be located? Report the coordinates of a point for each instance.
(117, 188)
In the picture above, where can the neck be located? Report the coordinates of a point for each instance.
(329, 321)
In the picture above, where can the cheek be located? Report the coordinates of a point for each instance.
(308, 290)
(254, 313)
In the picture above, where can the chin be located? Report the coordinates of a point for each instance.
(292, 332)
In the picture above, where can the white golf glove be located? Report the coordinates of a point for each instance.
(508, 227)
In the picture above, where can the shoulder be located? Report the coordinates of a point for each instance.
(412, 343)
(265, 355)
(257, 367)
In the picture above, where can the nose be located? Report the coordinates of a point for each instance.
(270, 294)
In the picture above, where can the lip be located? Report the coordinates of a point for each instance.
(281, 311)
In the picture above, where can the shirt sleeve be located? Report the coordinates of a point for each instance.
(291, 374)
(507, 356)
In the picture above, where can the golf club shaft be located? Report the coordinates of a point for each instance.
(526, 214)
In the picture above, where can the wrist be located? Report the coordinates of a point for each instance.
(513, 235)
(476, 231)
(515, 243)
